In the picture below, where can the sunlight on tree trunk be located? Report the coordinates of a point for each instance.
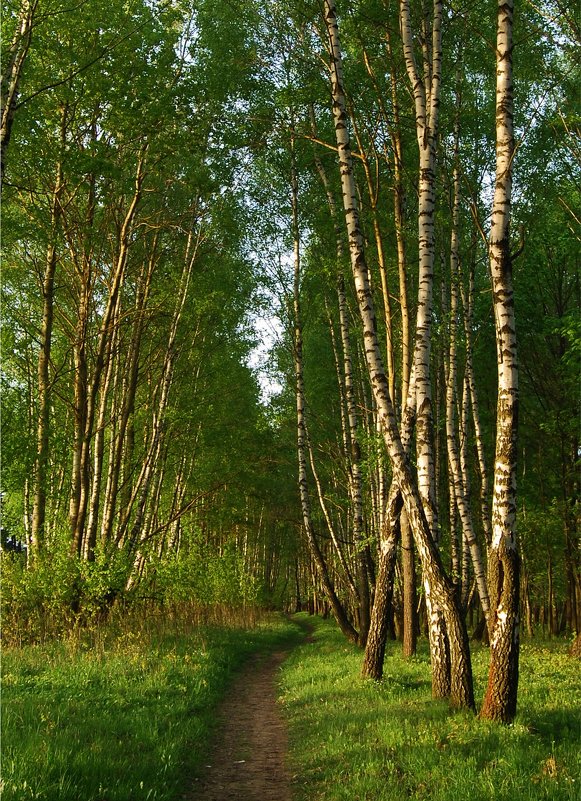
(501, 692)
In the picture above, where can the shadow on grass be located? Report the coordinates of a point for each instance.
(357, 739)
(555, 726)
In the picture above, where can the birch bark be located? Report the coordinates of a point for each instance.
(501, 692)
(391, 528)
(461, 691)
(318, 558)
(352, 433)
(426, 94)
(458, 472)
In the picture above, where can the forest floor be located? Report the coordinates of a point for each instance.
(166, 709)
(131, 711)
(248, 758)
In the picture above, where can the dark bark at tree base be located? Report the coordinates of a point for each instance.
(501, 692)
(409, 590)
(381, 614)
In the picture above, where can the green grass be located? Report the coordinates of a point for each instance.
(355, 740)
(114, 718)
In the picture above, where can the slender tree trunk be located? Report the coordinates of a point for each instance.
(398, 209)
(330, 527)
(410, 622)
(80, 403)
(355, 469)
(426, 93)
(501, 692)
(111, 358)
(373, 193)
(393, 124)
(316, 553)
(37, 532)
(10, 81)
(351, 435)
(410, 614)
(345, 444)
(467, 305)
(443, 590)
(389, 526)
(86, 402)
(142, 488)
(457, 473)
(426, 99)
(127, 403)
(147, 529)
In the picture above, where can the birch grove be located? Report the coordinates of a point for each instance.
(263, 271)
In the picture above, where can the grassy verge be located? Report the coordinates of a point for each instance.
(354, 740)
(117, 716)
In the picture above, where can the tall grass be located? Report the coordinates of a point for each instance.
(122, 711)
(354, 740)
(126, 710)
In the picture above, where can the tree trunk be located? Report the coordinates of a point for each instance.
(457, 473)
(467, 304)
(426, 93)
(127, 401)
(13, 72)
(90, 538)
(398, 209)
(87, 394)
(373, 194)
(37, 532)
(382, 606)
(318, 558)
(501, 692)
(410, 618)
(330, 527)
(351, 436)
(150, 465)
(355, 470)
(443, 590)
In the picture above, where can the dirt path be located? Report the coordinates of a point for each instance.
(247, 761)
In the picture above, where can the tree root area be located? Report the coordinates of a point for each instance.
(247, 760)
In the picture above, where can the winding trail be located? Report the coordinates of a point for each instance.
(247, 760)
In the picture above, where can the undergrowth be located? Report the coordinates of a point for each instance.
(126, 710)
(356, 740)
(115, 713)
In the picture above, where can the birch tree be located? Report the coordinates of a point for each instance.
(37, 532)
(321, 567)
(460, 687)
(501, 692)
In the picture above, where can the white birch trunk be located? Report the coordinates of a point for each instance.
(461, 690)
(458, 471)
(501, 693)
(426, 94)
(316, 553)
